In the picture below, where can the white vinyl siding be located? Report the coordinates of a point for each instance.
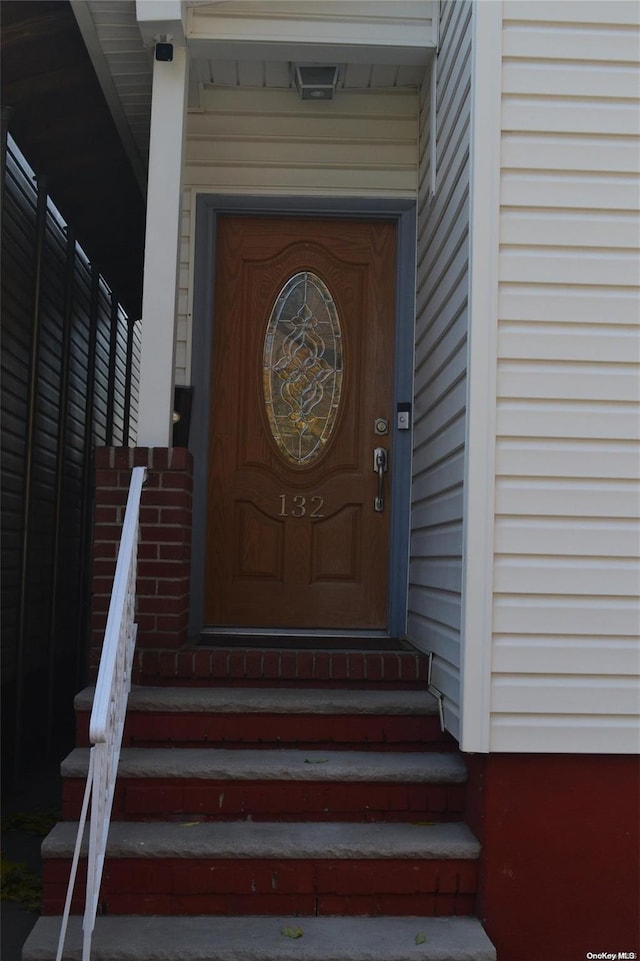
(271, 142)
(435, 573)
(566, 619)
(262, 142)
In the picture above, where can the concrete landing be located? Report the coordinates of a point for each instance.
(261, 939)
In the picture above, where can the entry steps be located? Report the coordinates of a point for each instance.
(330, 810)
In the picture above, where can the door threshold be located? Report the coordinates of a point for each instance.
(300, 640)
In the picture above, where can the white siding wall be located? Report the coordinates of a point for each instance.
(269, 142)
(441, 356)
(566, 613)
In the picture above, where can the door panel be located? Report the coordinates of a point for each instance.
(301, 369)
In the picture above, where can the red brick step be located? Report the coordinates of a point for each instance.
(214, 784)
(323, 718)
(231, 868)
(397, 667)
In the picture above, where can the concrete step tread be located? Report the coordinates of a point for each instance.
(272, 700)
(291, 765)
(261, 939)
(297, 840)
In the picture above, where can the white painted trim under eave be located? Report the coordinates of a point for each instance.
(479, 484)
(309, 33)
(435, 24)
(161, 18)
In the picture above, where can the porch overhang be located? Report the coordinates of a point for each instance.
(251, 44)
(323, 32)
(379, 48)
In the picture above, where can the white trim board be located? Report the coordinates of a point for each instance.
(479, 484)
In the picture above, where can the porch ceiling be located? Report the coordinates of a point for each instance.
(121, 51)
(77, 75)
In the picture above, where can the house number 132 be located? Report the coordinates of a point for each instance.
(297, 505)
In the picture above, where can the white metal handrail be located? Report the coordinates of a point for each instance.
(107, 717)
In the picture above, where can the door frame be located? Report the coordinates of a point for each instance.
(207, 209)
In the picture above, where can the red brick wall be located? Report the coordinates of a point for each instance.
(560, 839)
(164, 554)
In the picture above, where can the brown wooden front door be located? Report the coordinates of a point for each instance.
(301, 376)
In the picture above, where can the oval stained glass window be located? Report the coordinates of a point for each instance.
(302, 367)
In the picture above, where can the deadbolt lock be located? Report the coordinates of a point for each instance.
(381, 425)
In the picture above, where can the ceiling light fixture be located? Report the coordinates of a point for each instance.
(315, 81)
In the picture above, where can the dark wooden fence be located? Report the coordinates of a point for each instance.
(69, 366)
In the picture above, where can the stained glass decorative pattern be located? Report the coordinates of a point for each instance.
(303, 367)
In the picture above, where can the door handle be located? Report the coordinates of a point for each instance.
(380, 461)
